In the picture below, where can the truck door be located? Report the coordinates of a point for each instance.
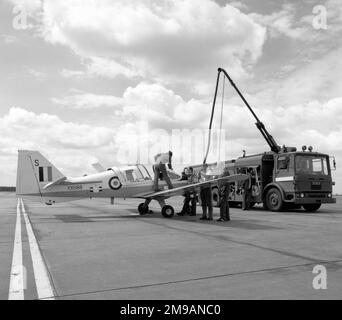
(267, 170)
(284, 174)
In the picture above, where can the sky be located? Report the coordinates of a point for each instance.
(88, 81)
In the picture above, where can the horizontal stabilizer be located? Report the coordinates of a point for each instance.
(57, 181)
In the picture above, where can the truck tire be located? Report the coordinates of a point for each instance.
(312, 207)
(274, 200)
(216, 197)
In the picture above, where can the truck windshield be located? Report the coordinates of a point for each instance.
(311, 165)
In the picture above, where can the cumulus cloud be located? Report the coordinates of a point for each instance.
(169, 40)
(282, 23)
(318, 79)
(163, 109)
(25, 127)
(71, 146)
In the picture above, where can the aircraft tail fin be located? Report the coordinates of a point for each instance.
(34, 171)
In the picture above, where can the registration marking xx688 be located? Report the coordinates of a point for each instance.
(74, 188)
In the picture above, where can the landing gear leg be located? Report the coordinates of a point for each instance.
(161, 203)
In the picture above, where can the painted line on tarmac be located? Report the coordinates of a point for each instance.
(41, 276)
(16, 288)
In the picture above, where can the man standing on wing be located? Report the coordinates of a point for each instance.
(161, 160)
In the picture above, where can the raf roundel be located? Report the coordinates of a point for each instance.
(114, 183)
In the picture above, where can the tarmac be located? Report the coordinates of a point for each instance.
(90, 249)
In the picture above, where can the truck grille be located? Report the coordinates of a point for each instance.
(316, 186)
(316, 195)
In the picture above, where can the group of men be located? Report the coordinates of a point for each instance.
(190, 198)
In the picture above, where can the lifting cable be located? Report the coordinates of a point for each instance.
(220, 133)
(212, 115)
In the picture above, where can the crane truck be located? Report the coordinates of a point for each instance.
(282, 177)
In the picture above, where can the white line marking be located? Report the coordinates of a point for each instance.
(44, 287)
(16, 288)
(284, 179)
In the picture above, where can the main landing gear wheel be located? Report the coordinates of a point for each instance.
(274, 200)
(312, 207)
(143, 209)
(168, 211)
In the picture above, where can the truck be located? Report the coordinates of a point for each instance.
(282, 178)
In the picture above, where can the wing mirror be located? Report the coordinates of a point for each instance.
(333, 163)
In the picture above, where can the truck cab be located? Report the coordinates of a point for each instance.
(302, 178)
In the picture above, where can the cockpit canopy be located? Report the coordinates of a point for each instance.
(133, 173)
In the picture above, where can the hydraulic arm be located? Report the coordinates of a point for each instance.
(269, 139)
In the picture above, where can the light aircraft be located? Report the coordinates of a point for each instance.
(37, 178)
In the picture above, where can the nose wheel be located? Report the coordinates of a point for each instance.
(168, 211)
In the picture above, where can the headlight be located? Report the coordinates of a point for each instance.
(302, 195)
(329, 195)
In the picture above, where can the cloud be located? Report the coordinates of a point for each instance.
(8, 39)
(71, 146)
(30, 6)
(37, 74)
(173, 40)
(317, 79)
(87, 101)
(282, 23)
(27, 130)
(66, 73)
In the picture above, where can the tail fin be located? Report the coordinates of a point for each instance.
(34, 171)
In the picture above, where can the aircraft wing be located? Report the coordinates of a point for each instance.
(194, 187)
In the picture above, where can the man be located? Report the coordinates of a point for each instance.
(189, 206)
(206, 196)
(161, 159)
(224, 191)
(247, 191)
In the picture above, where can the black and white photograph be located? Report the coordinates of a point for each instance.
(170, 155)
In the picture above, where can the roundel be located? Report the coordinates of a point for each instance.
(114, 183)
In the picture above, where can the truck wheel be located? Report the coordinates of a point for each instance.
(274, 200)
(216, 197)
(168, 211)
(312, 207)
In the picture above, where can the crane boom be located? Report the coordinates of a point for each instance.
(267, 136)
